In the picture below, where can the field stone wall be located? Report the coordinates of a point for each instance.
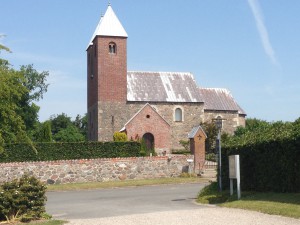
(97, 170)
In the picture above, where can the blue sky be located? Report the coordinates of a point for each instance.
(250, 47)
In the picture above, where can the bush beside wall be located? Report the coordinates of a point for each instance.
(269, 158)
(66, 151)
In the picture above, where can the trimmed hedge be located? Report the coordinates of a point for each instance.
(66, 151)
(269, 158)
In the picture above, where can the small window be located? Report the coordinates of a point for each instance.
(178, 115)
(112, 48)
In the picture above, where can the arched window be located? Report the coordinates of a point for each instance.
(178, 114)
(112, 48)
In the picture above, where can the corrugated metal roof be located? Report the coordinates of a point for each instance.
(219, 99)
(162, 87)
(109, 25)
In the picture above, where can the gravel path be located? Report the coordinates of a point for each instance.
(206, 216)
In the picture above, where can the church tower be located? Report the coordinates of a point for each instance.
(106, 77)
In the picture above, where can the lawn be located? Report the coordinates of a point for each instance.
(48, 222)
(284, 204)
(125, 183)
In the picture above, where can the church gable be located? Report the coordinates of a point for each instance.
(162, 87)
(148, 122)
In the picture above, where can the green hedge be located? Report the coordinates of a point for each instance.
(269, 158)
(66, 151)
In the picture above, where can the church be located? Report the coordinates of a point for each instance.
(159, 107)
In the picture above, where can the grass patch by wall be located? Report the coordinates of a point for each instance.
(49, 222)
(284, 204)
(125, 183)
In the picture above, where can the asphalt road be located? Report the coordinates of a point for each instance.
(103, 203)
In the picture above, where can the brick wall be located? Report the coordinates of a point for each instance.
(97, 170)
(149, 121)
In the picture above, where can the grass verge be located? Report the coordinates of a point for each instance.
(47, 222)
(50, 222)
(284, 204)
(126, 183)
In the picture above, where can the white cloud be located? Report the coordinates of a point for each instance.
(264, 36)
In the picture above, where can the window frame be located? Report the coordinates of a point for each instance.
(181, 115)
(112, 48)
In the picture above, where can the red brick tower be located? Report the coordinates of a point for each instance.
(106, 78)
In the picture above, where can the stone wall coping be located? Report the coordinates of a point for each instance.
(83, 161)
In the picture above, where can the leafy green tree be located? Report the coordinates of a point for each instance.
(211, 133)
(60, 122)
(69, 134)
(43, 132)
(2, 47)
(64, 130)
(35, 83)
(18, 90)
(252, 124)
(81, 124)
(12, 126)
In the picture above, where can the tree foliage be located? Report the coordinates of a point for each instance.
(120, 136)
(81, 123)
(65, 130)
(211, 133)
(12, 126)
(43, 132)
(269, 155)
(18, 90)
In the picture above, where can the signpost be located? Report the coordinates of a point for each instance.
(219, 123)
(234, 173)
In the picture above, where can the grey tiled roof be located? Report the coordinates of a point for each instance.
(162, 87)
(219, 99)
(194, 132)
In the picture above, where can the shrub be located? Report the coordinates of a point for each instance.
(185, 144)
(187, 175)
(120, 136)
(144, 150)
(22, 199)
(180, 152)
(269, 157)
(22, 152)
(211, 157)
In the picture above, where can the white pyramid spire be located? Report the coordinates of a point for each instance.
(109, 25)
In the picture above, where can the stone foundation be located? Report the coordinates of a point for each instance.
(97, 170)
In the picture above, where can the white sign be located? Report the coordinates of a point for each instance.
(234, 173)
(233, 166)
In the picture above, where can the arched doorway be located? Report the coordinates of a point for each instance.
(149, 141)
